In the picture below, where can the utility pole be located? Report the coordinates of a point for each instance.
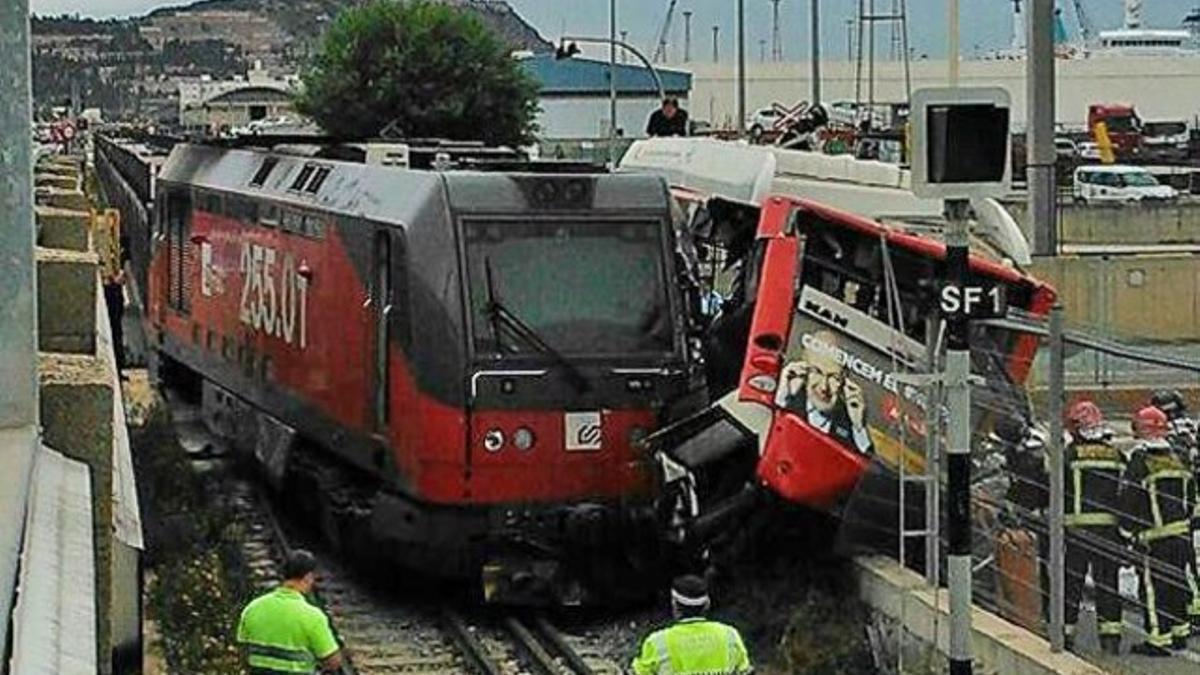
(687, 36)
(849, 40)
(958, 450)
(624, 54)
(741, 68)
(776, 36)
(952, 34)
(1041, 155)
(716, 54)
(762, 51)
(816, 51)
(1054, 410)
(612, 84)
(18, 295)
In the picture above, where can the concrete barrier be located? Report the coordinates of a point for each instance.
(61, 181)
(66, 301)
(76, 406)
(1120, 224)
(63, 228)
(998, 646)
(64, 199)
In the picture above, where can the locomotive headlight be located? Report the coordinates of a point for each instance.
(493, 440)
(523, 438)
(766, 383)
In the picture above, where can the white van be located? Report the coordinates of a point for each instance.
(1119, 183)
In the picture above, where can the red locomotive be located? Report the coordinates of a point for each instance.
(449, 369)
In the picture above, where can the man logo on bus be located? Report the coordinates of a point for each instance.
(816, 386)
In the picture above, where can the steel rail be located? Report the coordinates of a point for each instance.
(471, 648)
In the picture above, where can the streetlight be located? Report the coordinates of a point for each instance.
(568, 48)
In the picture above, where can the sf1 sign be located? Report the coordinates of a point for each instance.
(977, 302)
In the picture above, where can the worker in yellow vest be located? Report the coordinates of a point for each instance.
(280, 632)
(693, 645)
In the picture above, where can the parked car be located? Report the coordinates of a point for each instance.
(1089, 150)
(1119, 183)
(762, 120)
(1066, 149)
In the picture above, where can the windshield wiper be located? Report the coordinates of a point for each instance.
(499, 313)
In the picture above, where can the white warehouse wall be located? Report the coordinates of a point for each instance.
(582, 117)
(1162, 88)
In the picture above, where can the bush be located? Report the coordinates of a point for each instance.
(196, 583)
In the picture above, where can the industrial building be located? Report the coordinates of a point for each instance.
(575, 96)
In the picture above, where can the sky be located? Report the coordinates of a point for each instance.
(986, 24)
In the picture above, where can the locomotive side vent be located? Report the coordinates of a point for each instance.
(302, 177)
(264, 170)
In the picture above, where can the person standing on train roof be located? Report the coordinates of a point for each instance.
(669, 120)
(281, 632)
(1158, 498)
(693, 645)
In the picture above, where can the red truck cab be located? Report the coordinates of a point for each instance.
(1123, 125)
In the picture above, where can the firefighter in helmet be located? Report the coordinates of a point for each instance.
(1093, 470)
(1185, 438)
(1158, 497)
(1181, 428)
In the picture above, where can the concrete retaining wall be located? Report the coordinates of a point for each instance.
(1126, 225)
(1135, 296)
(76, 410)
(63, 228)
(66, 301)
(998, 646)
(79, 396)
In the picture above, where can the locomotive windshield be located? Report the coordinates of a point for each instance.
(579, 288)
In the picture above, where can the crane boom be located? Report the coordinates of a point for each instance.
(660, 52)
(1085, 23)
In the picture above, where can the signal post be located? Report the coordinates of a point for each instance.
(961, 153)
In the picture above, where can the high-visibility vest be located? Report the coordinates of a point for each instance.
(281, 632)
(693, 647)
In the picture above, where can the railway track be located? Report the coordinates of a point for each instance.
(386, 635)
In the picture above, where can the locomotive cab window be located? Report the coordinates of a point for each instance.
(598, 288)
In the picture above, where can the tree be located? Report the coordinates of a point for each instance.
(428, 70)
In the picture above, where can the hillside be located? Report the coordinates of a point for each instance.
(125, 66)
(305, 18)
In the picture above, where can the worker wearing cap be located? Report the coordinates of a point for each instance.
(1158, 498)
(280, 632)
(693, 644)
(1092, 480)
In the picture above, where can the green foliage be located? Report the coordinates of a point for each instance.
(428, 70)
(196, 582)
